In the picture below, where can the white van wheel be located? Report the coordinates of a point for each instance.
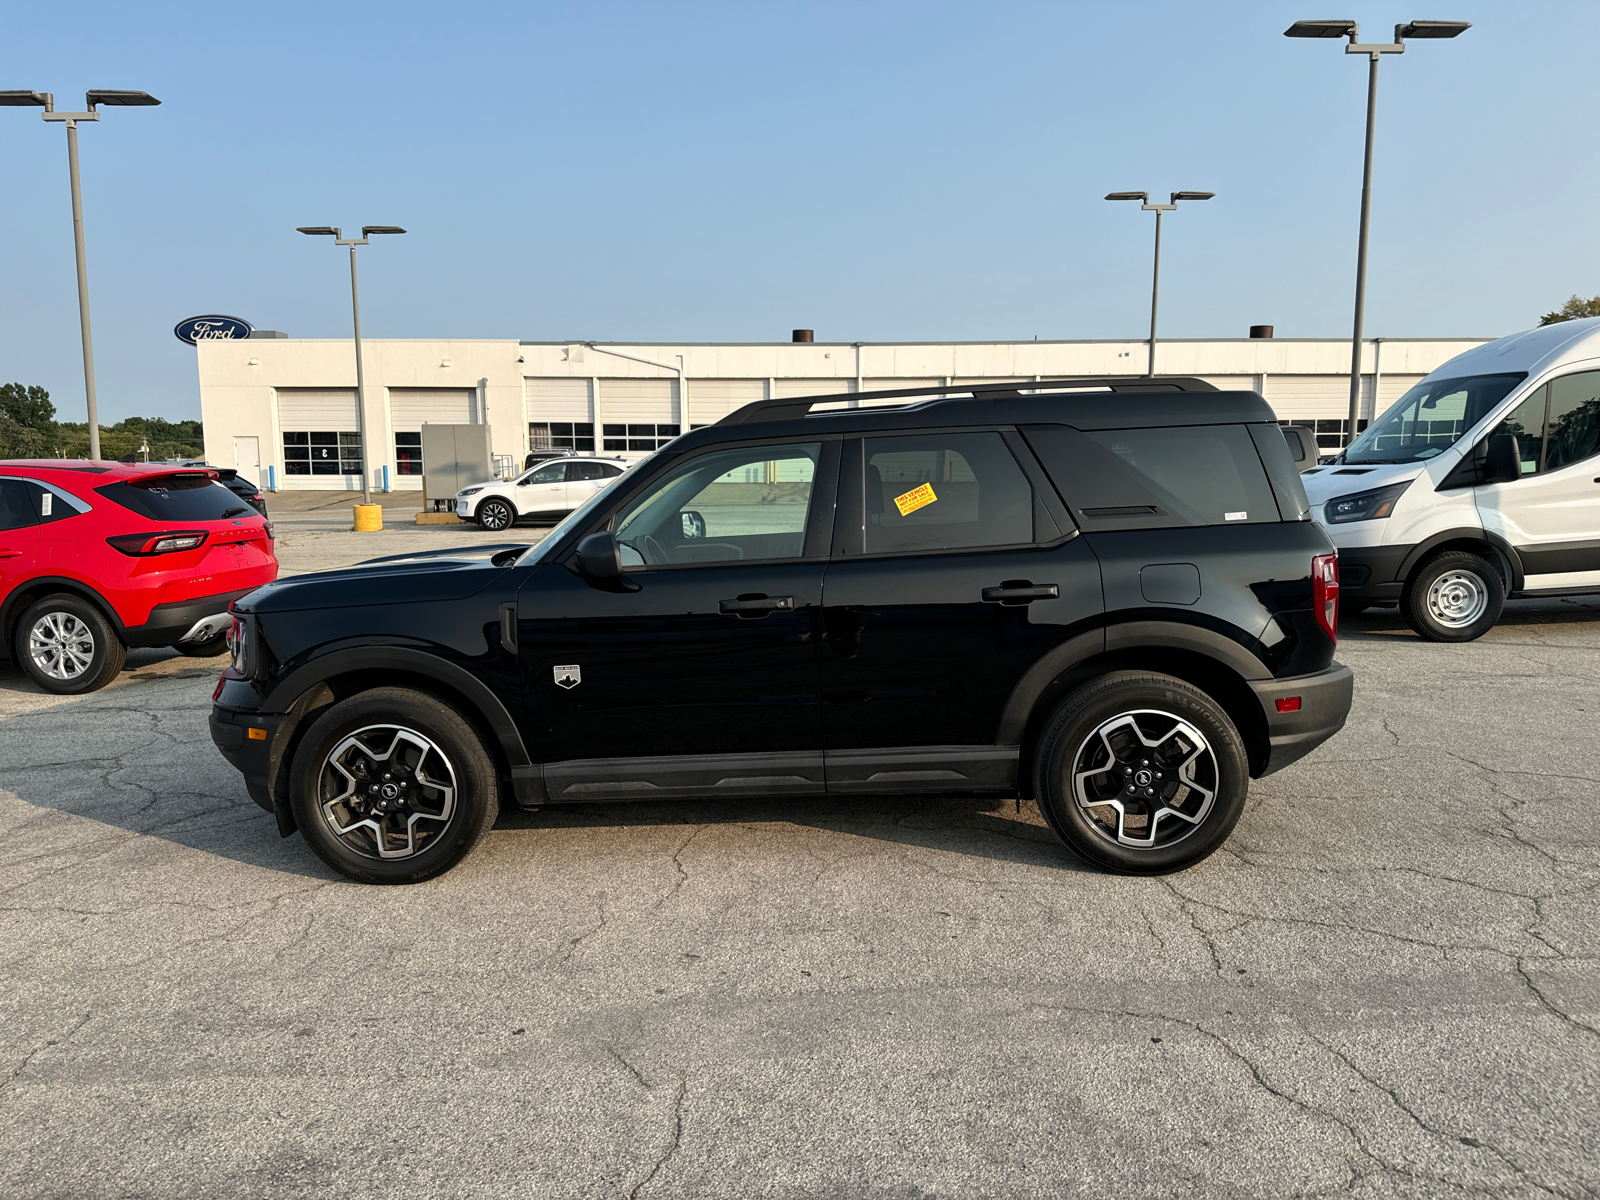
(1456, 596)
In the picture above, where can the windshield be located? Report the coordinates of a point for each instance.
(1430, 418)
(581, 514)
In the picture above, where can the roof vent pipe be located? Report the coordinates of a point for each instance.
(805, 335)
(1261, 331)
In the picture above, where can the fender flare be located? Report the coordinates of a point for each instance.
(485, 703)
(52, 583)
(1424, 548)
(1123, 636)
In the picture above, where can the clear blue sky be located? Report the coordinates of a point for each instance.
(729, 171)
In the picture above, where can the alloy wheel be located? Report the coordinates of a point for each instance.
(1457, 599)
(61, 645)
(495, 516)
(1145, 779)
(387, 791)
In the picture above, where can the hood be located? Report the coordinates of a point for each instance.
(427, 577)
(1336, 479)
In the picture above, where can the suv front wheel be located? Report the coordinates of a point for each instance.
(496, 515)
(391, 786)
(1456, 596)
(1141, 773)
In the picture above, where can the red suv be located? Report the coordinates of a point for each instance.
(96, 557)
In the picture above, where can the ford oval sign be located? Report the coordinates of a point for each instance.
(214, 326)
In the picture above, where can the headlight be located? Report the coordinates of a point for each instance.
(471, 491)
(242, 649)
(1364, 506)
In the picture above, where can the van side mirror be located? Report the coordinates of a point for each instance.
(599, 561)
(1502, 462)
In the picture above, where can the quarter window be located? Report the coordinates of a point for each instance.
(952, 491)
(729, 506)
(322, 453)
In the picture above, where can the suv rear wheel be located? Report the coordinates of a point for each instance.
(66, 645)
(496, 515)
(391, 786)
(1141, 773)
(1456, 596)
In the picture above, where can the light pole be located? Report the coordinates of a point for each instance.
(47, 101)
(1155, 281)
(355, 311)
(1373, 51)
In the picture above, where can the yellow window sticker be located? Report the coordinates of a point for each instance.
(917, 497)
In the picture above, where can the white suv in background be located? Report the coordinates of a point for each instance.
(1481, 482)
(547, 492)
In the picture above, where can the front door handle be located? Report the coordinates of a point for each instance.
(755, 604)
(1020, 593)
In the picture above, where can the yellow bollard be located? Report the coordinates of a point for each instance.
(369, 517)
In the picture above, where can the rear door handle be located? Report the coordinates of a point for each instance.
(10, 553)
(754, 604)
(1021, 594)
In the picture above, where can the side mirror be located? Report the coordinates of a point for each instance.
(599, 562)
(1502, 462)
(694, 525)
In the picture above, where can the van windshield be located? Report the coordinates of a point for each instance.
(1430, 418)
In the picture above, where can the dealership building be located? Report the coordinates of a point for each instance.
(284, 408)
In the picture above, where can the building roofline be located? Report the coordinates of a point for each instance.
(993, 342)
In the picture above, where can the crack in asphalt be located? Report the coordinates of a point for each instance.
(16, 1071)
(674, 1142)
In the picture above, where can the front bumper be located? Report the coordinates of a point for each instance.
(252, 756)
(1371, 574)
(169, 623)
(1324, 704)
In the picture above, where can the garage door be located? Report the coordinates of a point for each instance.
(412, 408)
(813, 387)
(321, 448)
(637, 415)
(558, 414)
(712, 399)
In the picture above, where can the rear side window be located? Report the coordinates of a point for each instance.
(176, 498)
(16, 505)
(1157, 478)
(947, 491)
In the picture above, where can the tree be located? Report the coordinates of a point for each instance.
(28, 406)
(1575, 309)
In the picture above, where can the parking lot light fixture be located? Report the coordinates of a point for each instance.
(1155, 281)
(367, 231)
(1374, 51)
(46, 100)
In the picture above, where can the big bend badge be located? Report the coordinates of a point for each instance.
(568, 677)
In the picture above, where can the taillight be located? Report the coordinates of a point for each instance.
(143, 545)
(1325, 593)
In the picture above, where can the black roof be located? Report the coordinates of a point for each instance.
(1112, 403)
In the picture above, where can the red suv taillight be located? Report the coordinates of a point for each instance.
(142, 545)
(1325, 592)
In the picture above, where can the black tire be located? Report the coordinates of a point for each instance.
(77, 649)
(210, 648)
(496, 515)
(1195, 749)
(366, 733)
(1456, 596)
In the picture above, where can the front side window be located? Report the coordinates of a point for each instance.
(554, 472)
(946, 491)
(728, 506)
(1573, 425)
(1526, 424)
(1430, 418)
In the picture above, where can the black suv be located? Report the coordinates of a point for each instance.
(1105, 595)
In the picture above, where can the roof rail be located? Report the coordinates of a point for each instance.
(789, 408)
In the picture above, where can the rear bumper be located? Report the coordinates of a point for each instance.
(168, 623)
(1324, 704)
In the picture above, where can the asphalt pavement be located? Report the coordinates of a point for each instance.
(1385, 985)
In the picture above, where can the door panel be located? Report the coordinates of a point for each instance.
(664, 670)
(914, 656)
(543, 490)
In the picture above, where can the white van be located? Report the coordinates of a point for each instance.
(1481, 482)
